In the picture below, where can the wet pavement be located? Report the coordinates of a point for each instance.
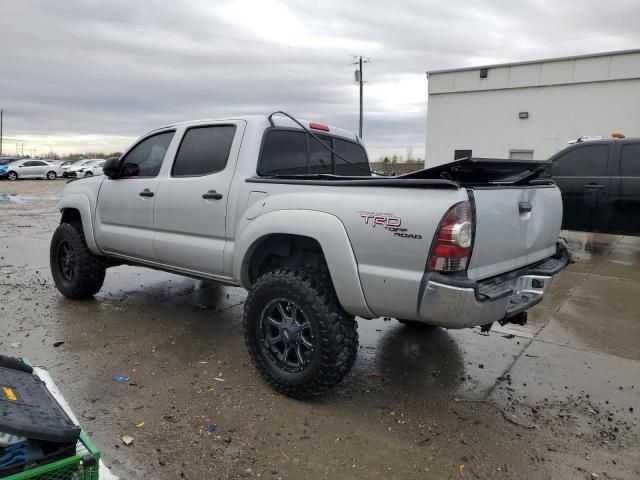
(557, 398)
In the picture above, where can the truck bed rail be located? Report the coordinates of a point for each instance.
(488, 171)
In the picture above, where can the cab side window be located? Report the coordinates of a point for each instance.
(630, 160)
(584, 161)
(145, 159)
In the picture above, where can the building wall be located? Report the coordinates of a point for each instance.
(565, 98)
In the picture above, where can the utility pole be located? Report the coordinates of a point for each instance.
(1, 118)
(359, 77)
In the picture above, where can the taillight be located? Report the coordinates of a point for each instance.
(454, 240)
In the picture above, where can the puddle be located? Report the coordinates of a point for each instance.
(13, 198)
(8, 197)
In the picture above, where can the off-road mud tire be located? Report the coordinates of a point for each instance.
(89, 271)
(335, 331)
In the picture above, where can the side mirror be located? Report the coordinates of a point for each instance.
(111, 168)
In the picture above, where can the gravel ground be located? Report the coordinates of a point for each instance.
(557, 398)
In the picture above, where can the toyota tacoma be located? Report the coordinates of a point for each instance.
(290, 211)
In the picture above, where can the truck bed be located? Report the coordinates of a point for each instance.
(461, 173)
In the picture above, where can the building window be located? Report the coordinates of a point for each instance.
(458, 154)
(521, 154)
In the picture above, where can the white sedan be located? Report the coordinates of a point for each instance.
(86, 168)
(29, 168)
(67, 166)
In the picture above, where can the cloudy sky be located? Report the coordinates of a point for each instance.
(79, 75)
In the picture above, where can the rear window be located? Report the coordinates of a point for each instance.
(320, 156)
(630, 160)
(355, 154)
(584, 161)
(292, 152)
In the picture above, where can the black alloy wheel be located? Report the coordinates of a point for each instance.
(66, 260)
(287, 335)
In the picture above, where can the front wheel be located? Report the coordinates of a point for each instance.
(76, 271)
(298, 336)
(12, 176)
(88, 174)
(51, 175)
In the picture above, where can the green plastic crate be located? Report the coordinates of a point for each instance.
(84, 465)
(81, 466)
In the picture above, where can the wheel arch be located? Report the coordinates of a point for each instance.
(299, 238)
(74, 208)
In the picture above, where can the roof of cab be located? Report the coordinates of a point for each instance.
(278, 121)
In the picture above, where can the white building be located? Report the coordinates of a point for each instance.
(531, 109)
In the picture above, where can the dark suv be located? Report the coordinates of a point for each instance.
(600, 184)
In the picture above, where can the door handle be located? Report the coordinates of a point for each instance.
(212, 195)
(146, 193)
(593, 186)
(524, 207)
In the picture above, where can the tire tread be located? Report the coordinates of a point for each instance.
(338, 332)
(90, 268)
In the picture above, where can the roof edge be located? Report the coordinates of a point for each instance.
(530, 62)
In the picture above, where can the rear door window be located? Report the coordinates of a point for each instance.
(584, 161)
(630, 160)
(204, 150)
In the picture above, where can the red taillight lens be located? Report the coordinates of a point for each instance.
(454, 241)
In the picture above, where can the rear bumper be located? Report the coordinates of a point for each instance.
(455, 302)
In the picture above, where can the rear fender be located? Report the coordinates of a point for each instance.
(328, 231)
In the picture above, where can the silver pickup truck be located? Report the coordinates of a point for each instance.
(289, 210)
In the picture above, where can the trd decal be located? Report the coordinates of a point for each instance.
(381, 220)
(389, 222)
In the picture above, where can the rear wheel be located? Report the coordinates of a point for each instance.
(51, 175)
(12, 176)
(298, 336)
(76, 271)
